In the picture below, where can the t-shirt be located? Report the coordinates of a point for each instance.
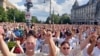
(85, 50)
(36, 54)
(45, 48)
(74, 52)
(96, 51)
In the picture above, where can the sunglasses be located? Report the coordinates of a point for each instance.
(66, 48)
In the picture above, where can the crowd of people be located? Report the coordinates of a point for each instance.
(50, 40)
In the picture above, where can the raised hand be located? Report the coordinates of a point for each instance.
(93, 38)
(3, 46)
(48, 36)
(18, 42)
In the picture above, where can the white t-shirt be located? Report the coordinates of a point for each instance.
(96, 51)
(36, 54)
(8, 34)
(45, 48)
(85, 50)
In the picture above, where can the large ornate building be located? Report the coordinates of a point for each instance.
(86, 14)
(6, 4)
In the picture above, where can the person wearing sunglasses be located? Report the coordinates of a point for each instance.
(65, 48)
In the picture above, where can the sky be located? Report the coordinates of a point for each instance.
(41, 9)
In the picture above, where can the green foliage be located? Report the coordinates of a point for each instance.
(64, 19)
(13, 14)
(56, 19)
(34, 19)
(18, 15)
(3, 15)
(48, 20)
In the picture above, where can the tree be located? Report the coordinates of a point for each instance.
(34, 19)
(18, 15)
(48, 20)
(64, 19)
(3, 15)
(54, 19)
(12, 15)
(59, 19)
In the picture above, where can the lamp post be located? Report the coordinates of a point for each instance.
(50, 11)
(28, 5)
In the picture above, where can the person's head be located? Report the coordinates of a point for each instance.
(33, 33)
(98, 42)
(32, 26)
(68, 34)
(30, 43)
(65, 48)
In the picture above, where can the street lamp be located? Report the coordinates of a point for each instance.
(28, 5)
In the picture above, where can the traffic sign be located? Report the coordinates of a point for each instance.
(28, 16)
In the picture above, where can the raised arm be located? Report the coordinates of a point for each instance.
(17, 44)
(93, 43)
(3, 46)
(85, 42)
(51, 43)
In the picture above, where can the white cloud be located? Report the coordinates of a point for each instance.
(15, 1)
(40, 7)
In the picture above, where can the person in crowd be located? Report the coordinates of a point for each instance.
(66, 51)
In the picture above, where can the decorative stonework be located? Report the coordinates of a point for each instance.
(88, 13)
(6, 4)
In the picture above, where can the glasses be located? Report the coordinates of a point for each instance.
(66, 48)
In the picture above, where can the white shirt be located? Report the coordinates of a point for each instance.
(8, 34)
(36, 54)
(45, 48)
(96, 51)
(85, 50)
(74, 52)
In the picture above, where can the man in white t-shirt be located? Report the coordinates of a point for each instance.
(29, 45)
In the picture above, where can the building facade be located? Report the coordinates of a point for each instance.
(86, 14)
(6, 4)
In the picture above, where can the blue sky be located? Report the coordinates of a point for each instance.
(41, 10)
